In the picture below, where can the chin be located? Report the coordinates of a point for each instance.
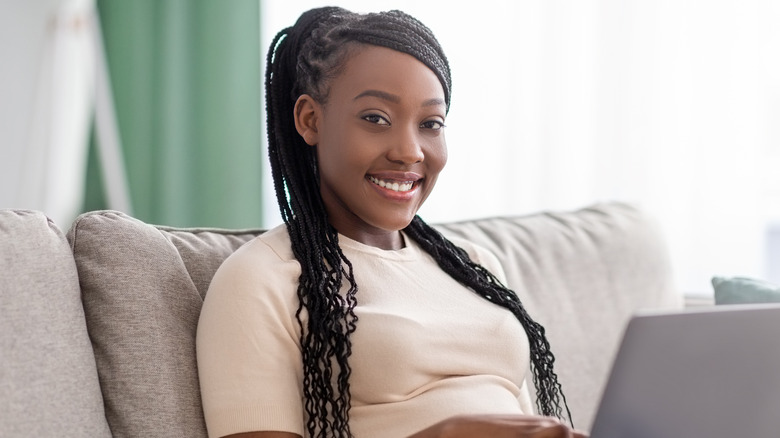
(396, 225)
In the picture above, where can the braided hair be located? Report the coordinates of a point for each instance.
(303, 59)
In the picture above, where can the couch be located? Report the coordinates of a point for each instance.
(98, 323)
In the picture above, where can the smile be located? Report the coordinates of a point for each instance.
(392, 185)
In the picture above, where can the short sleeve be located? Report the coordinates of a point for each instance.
(248, 344)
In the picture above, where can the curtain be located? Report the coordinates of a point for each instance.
(671, 105)
(186, 80)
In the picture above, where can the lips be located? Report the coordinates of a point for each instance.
(396, 186)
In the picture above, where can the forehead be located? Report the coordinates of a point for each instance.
(375, 67)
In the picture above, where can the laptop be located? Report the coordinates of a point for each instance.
(710, 373)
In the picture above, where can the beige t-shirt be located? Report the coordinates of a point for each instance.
(426, 348)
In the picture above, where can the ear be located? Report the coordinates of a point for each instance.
(307, 116)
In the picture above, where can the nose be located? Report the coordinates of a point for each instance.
(406, 148)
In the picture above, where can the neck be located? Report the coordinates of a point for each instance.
(389, 240)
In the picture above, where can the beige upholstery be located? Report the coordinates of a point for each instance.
(143, 288)
(48, 381)
(580, 273)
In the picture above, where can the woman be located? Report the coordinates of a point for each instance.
(356, 318)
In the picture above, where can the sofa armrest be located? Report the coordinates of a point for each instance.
(48, 380)
(694, 301)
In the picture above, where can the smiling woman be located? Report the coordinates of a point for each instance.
(355, 317)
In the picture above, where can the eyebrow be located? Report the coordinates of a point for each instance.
(394, 98)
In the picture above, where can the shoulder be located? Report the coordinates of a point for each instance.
(268, 250)
(480, 255)
(477, 253)
(263, 267)
(271, 246)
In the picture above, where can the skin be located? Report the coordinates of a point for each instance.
(383, 118)
(474, 426)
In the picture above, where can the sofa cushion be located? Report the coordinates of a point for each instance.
(581, 274)
(48, 381)
(744, 290)
(143, 288)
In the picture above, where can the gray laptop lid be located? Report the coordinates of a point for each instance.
(711, 373)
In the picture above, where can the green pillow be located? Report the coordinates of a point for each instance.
(742, 290)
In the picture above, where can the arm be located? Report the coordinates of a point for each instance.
(494, 426)
(499, 426)
(249, 361)
(264, 435)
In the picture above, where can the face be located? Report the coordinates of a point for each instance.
(380, 143)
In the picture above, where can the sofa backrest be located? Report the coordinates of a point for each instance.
(48, 380)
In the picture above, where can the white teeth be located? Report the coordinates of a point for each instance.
(394, 186)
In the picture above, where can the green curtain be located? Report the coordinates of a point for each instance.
(186, 81)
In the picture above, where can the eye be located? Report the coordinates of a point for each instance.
(376, 119)
(433, 124)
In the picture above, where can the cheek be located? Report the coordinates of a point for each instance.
(437, 156)
(334, 151)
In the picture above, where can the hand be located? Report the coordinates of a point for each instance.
(499, 426)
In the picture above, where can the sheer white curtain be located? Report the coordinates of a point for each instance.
(672, 105)
(54, 80)
(46, 119)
